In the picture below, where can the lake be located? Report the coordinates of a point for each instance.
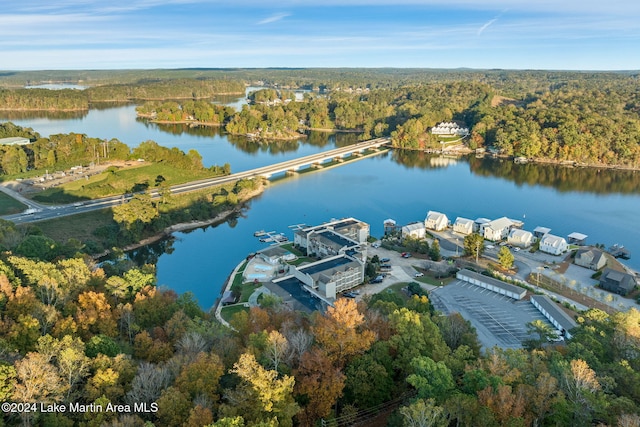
(604, 204)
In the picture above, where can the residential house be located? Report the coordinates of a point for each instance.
(539, 232)
(498, 229)
(414, 229)
(449, 128)
(436, 221)
(276, 254)
(553, 245)
(520, 238)
(463, 226)
(479, 224)
(617, 281)
(590, 258)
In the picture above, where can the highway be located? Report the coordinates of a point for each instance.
(38, 212)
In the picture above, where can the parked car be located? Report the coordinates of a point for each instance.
(406, 255)
(384, 260)
(378, 279)
(418, 274)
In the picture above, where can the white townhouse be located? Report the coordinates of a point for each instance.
(498, 229)
(414, 229)
(463, 226)
(554, 245)
(520, 238)
(436, 221)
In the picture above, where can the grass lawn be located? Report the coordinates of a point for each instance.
(119, 182)
(80, 226)
(246, 289)
(9, 205)
(301, 260)
(292, 249)
(228, 312)
(396, 288)
(429, 280)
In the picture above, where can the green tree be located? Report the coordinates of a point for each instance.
(474, 245)
(505, 258)
(434, 251)
(430, 379)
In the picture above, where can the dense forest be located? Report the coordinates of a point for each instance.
(71, 99)
(74, 332)
(586, 118)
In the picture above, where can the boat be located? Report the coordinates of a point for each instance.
(259, 233)
(619, 251)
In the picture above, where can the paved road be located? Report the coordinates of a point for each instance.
(50, 212)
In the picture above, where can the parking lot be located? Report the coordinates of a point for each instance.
(499, 320)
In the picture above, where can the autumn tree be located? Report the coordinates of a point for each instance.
(320, 383)
(340, 332)
(263, 395)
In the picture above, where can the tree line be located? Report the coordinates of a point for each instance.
(72, 99)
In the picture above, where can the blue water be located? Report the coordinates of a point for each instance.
(372, 190)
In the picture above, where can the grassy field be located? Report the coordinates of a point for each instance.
(119, 181)
(9, 205)
(228, 312)
(80, 226)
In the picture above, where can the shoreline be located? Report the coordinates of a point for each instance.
(185, 226)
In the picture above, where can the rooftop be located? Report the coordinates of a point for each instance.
(555, 311)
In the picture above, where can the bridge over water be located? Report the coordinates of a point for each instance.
(289, 166)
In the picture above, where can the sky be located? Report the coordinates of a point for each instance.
(144, 34)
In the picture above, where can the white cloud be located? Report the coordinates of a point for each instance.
(274, 18)
(486, 25)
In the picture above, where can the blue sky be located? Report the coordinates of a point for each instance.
(510, 34)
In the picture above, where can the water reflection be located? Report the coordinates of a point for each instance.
(560, 178)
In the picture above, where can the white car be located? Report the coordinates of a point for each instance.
(516, 249)
(418, 274)
(490, 247)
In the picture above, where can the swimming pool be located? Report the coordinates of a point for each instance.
(256, 276)
(262, 267)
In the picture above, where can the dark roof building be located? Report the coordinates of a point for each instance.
(617, 281)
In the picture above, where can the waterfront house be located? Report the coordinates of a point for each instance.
(539, 232)
(276, 254)
(479, 224)
(590, 258)
(520, 238)
(553, 245)
(463, 226)
(436, 221)
(414, 229)
(617, 281)
(498, 229)
(449, 128)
